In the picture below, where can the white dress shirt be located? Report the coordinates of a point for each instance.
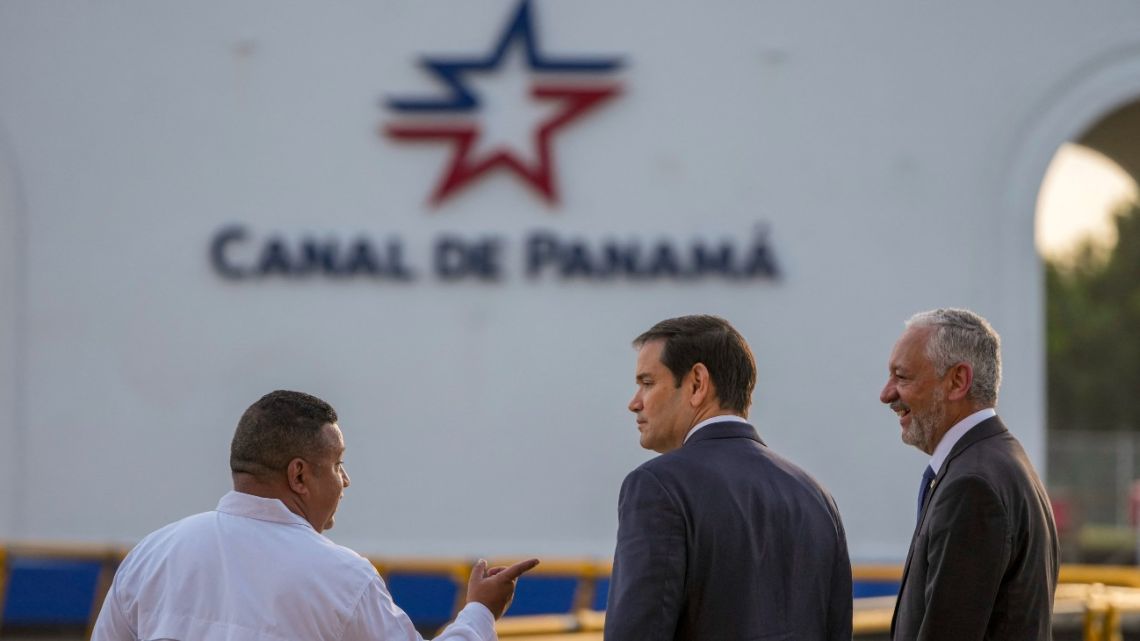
(954, 434)
(253, 571)
(724, 418)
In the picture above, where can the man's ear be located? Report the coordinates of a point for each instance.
(961, 378)
(297, 474)
(699, 385)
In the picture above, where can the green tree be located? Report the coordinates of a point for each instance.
(1093, 333)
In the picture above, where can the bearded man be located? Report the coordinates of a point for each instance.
(983, 560)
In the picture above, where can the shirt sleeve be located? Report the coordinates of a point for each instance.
(112, 624)
(647, 585)
(378, 618)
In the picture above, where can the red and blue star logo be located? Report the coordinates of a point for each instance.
(564, 88)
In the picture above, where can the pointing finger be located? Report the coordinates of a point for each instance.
(516, 570)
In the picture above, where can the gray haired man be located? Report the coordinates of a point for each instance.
(983, 560)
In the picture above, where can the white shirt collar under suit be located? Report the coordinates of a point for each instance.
(954, 434)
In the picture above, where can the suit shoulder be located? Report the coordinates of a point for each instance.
(658, 476)
(655, 468)
(663, 467)
(996, 458)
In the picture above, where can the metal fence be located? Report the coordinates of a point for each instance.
(1096, 469)
(1092, 479)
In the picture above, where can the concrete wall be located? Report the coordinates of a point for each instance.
(11, 432)
(892, 152)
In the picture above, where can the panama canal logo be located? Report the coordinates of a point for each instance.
(559, 88)
(499, 113)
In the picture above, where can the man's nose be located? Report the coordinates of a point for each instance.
(889, 393)
(344, 478)
(635, 403)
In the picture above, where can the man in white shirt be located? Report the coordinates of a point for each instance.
(719, 537)
(983, 561)
(258, 566)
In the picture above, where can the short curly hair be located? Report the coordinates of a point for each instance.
(279, 427)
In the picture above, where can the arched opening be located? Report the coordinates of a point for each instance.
(1088, 235)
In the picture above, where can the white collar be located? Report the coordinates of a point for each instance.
(954, 434)
(258, 507)
(724, 418)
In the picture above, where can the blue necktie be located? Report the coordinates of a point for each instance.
(927, 477)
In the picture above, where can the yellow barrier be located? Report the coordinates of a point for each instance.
(537, 625)
(1118, 575)
(880, 572)
(568, 636)
(1116, 603)
(456, 570)
(1097, 596)
(872, 615)
(108, 558)
(583, 625)
(1124, 576)
(592, 620)
(583, 571)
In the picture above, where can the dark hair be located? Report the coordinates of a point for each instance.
(279, 427)
(710, 340)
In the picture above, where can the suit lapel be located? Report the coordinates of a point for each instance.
(986, 429)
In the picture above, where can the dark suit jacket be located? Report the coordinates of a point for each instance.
(983, 560)
(723, 539)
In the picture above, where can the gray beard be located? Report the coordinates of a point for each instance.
(923, 427)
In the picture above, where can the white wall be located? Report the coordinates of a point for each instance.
(884, 144)
(11, 433)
